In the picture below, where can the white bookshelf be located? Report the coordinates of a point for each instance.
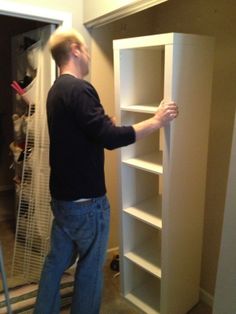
(162, 178)
(149, 162)
(150, 108)
(148, 211)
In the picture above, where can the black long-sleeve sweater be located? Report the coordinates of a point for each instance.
(79, 130)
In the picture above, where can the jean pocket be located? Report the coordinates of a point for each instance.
(80, 227)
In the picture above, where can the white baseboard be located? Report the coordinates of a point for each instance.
(6, 187)
(112, 251)
(206, 297)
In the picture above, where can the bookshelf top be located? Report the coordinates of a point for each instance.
(161, 40)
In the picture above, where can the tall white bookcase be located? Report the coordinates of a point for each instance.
(162, 178)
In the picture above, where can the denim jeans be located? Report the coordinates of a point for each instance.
(79, 229)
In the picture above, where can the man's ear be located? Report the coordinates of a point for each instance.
(75, 49)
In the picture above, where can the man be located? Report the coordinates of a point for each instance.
(79, 131)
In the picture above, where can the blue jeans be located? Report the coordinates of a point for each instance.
(79, 229)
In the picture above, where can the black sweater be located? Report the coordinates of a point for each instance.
(79, 130)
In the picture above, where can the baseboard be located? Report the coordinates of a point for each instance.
(4, 188)
(206, 297)
(112, 251)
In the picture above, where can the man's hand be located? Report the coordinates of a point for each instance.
(166, 112)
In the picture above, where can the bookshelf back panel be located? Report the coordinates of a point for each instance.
(137, 185)
(142, 288)
(145, 146)
(141, 76)
(140, 235)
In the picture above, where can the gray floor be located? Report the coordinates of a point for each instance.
(113, 302)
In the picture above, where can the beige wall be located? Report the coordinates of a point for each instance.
(226, 280)
(211, 17)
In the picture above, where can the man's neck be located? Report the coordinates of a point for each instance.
(68, 72)
(70, 69)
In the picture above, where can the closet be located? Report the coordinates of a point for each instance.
(30, 73)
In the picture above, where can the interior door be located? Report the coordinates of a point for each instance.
(33, 74)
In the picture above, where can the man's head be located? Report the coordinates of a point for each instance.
(68, 44)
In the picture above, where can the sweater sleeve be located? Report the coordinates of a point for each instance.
(96, 124)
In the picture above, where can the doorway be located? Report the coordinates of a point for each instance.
(14, 20)
(9, 27)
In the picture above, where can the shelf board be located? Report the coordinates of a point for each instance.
(141, 108)
(146, 257)
(141, 297)
(150, 162)
(148, 211)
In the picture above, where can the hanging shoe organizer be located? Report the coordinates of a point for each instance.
(31, 82)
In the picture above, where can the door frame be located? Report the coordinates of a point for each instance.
(37, 13)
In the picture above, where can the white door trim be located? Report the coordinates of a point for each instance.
(33, 12)
(121, 12)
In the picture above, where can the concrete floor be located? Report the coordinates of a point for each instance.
(113, 302)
